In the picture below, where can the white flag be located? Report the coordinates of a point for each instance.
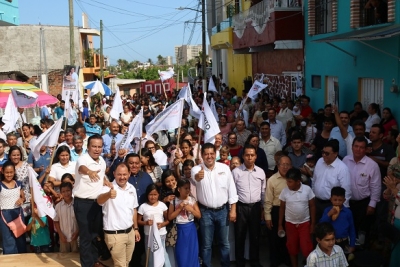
(135, 130)
(48, 138)
(255, 89)
(214, 109)
(207, 122)
(117, 107)
(24, 98)
(10, 116)
(97, 88)
(167, 74)
(194, 109)
(43, 202)
(169, 118)
(156, 246)
(211, 86)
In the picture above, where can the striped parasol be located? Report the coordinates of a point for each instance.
(6, 86)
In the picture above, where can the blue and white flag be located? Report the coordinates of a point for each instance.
(24, 98)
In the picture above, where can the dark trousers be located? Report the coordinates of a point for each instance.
(248, 217)
(89, 218)
(320, 206)
(362, 222)
(136, 260)
(277, 245)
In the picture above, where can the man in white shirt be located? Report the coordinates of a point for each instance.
(85, 97)
(329, 172)
(215, 191)
(277, 128)
(89, 180)
(270, 145)
(120, 201)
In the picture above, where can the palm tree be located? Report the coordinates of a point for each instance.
(150, 61)
(161, 60)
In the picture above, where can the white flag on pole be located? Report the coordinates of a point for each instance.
(117, 107)
(97, 88)
(186, 94)
(156, 246)
(10, 116)
(166, 74)
(214, 109)
(24, 98)
(43, 203)
(48, 138)
(135, 130)
(169, 118)
(255, 89)
(208, 123)
(211, 86)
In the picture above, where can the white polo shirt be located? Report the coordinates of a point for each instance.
(84, 187)
(297, 204)
(118, 212)
(217, 187)
(57, 170)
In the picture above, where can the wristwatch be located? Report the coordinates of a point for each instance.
(136, 229)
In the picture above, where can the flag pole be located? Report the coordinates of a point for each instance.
(51, 163)
(198, 143)
(165, 93)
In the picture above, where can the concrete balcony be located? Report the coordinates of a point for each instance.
(222, 35)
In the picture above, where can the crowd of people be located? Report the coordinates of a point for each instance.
(325, 182)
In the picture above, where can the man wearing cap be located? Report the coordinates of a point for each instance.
(85, 97)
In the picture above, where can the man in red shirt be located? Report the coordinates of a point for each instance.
(306, 110)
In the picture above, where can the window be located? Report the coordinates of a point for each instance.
(316, 81)
(373, 12)
(323, 16)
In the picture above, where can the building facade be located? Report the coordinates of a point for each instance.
(9, 13)
(352, 53)
(184, 53)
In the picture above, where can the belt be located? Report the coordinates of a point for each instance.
(118, 231)
(247, 204)
(212, 209)
(338, 240)
(323, 201)
(85, 199)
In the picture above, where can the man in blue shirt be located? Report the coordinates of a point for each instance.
(91, 128)
(40, 165)
(78, 149)
(60, 110)
(335, 133)
(44, 113)
(113, 137)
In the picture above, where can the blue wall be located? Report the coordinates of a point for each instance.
(10, 12)
(325, 60)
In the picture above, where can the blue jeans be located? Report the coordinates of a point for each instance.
(218, 222)
(11, 245)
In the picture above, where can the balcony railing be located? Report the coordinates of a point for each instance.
(222, 26)
(259, 14)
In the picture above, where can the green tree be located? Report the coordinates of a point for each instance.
(161, 60)
(123, 63)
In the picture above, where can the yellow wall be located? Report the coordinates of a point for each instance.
(239, 67)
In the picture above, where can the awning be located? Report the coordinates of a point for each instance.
(364, 34)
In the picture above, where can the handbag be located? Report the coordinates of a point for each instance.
(17, 226)
(172, 235)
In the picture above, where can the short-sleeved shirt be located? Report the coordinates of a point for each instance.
(65, 215)
(184, 216)
(318, 258)
(118, 212)
(44, 160)
(84, 187)
(153, 212)
(385, 152)
(92, 129)
(57, 170)
(59, 112)
(297, 204)
(41, 235)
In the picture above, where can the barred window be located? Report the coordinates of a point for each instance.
(373, 12)
(323, 16)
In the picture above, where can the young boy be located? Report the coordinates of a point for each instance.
(224, 155)
(65, 221)
(326, 253)
(298, 208)
(341, 219)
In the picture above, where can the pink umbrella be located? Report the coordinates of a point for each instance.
(6, 86)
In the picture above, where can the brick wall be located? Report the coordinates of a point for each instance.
(55, 81)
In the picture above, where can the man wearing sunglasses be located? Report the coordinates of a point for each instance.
(329, 172)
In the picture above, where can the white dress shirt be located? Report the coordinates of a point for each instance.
(372, 119)
(278, 131)
(118, 212)
(217, 187)
(270, 148)
(328, 176)
(84, 187)
(57, 170)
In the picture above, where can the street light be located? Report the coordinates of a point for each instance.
(203, 40)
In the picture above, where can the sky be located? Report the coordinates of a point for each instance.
(133, 29)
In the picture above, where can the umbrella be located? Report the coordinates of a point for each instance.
(42, 100)
(98, 87)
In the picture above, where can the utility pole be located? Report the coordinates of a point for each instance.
(71, 33)
(101, 52)
(203, 38)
